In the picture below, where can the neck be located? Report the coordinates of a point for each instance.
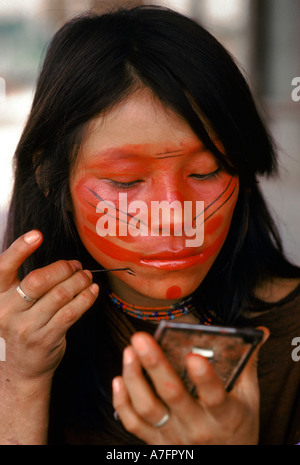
(127, 300)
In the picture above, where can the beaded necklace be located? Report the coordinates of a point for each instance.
(184, 307)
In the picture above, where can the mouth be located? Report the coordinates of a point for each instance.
(172, 261)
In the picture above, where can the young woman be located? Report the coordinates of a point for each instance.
(142, 105)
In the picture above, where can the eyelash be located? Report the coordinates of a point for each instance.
(130, 184)
(203, 177)
(124, 185)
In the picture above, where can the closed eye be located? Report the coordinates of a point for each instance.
(203, 177)
(124, 185)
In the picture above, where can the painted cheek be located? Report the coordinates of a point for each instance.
(82, 193)
(87, 200)
(214, 224)
(109, 248)
(85, 205)
(215, 246)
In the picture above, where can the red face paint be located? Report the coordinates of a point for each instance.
(173, 292)
(110, 249)
(143, 143)
(121, 254)
(214, 224)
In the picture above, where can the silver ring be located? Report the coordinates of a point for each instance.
(163, 421)
(23, 295)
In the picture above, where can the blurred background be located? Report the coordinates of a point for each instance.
(263, 35)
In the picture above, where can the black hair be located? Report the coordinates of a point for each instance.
(94, 62)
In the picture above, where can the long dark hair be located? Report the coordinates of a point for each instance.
(92, 63)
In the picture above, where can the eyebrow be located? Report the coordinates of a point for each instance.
(117, 153)
(174, 154)
(130, 151)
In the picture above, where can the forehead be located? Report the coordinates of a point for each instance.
(140, 122)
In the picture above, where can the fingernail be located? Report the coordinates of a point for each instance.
(116, 385)
(77, 265)
(94, 288)
(128, 356)
(32, 237)
(89, 274)
(140, 345)
(197, 365)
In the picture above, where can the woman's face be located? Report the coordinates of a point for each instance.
(142, 151)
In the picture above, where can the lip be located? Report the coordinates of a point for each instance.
(177, 260)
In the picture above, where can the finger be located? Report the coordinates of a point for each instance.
(58, 297)
(15, 255)
(166, 381)
(64, 318)
(39, 282)
(209, 387)
(143, 399)
(126, 412)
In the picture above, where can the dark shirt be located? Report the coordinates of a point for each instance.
(278, 373)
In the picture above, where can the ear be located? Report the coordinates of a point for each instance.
(42, 185)
(41, 177)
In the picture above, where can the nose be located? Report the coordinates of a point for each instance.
(167, 208)
(169, 187)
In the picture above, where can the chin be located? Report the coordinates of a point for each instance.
(174, 290)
